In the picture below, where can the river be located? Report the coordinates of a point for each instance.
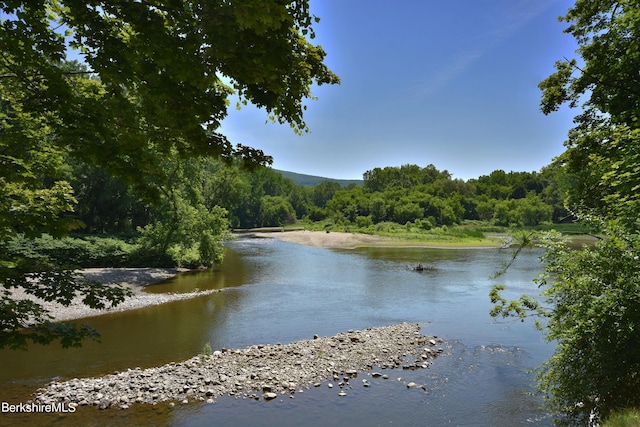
(282, 292)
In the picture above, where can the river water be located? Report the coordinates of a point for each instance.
(282, 292)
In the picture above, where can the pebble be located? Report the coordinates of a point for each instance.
(271, 369)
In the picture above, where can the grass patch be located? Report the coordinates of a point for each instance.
(567, 228)
(412, 234)
(419, 233)
(626, 418)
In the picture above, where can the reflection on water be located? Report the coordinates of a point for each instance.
(280, 292)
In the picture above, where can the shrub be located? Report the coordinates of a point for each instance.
(364, 221)
(83, 252)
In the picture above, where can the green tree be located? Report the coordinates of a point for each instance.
(349, 203)
(276, 211)
(378, 208)
(406, 211)
(592, 294)
(155, 82)
(602, 148)
(531, 210)
(557, 182)
(34, 200)
(226, 185)
(263, 181)
(485, 208)
(105, 204)
(187, 232)
(324, 192)
(504, 213)
(597, 315)
(300, 200)
(405, 176)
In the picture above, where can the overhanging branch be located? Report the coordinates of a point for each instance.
(66, 73)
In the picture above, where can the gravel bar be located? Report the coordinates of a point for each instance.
(258, 371)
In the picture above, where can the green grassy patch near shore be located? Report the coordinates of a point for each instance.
(414, 235)
(468, 234)
(626, 418)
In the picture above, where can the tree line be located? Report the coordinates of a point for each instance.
(262, 197)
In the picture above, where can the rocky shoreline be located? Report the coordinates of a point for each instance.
(136, 279)
(258, 371)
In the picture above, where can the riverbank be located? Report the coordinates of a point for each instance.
(340, 240)
(135, 279)
(258, 372)
(322, 239)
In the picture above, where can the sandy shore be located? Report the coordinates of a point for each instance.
(337, 240)
(133, 278)
(323, 239)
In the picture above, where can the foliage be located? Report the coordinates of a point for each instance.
(276, 211)
(32, 199)
(154, 84)
(596, 319)
(410, 193)
(602, 149)
(259, 183)
(444, 201)
(160, 67)
(186, 231)
(87, 252)
(530, 210)
(405, 176)
(592, 294)
(592, 311)
(105, 204)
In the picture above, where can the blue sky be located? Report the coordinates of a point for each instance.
(449, 83)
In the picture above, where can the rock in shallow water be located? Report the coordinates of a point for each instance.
(271, 368)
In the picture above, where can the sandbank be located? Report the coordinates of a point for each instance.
(323, 239)
(133, 278)
(340, 240)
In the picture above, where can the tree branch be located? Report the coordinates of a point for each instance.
(598, 79)
(66, 73)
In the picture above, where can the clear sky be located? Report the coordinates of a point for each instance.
(450, 83)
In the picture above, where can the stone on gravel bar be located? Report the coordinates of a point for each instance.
(272, 369)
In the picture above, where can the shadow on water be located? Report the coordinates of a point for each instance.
(278, 292)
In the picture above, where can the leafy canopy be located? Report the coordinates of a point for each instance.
(591, 295)
(153, 83)
(602, 149)
(161, 68)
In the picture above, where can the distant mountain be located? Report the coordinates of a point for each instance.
(311, 180)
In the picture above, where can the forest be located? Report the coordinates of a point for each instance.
(113, 227)
(264, 198)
